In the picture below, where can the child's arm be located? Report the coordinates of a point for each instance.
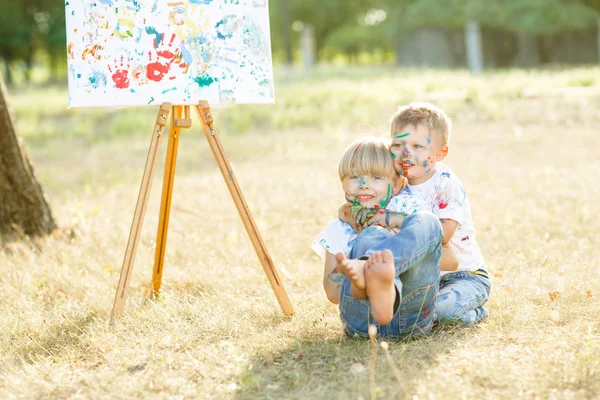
(332, 281)
(449, 226)
(360, 217)
(448, 259)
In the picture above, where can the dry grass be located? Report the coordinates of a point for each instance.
(531, 167)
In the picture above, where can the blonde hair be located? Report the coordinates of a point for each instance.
(369, 156)
(423, 113)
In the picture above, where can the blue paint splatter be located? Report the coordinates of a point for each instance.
(150, 30)
(135, 5)
(107, 2)
(425, 163)
(169, 90)
(446, 174)
(96, 79)
(198, 2)
(224, 28)
(205, 80)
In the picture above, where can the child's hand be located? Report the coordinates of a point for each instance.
(353, 214)
(377, 216)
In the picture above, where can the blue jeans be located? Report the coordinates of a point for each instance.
(462, 296)
(416, 250)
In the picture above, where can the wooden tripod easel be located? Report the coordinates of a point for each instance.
(179, 121)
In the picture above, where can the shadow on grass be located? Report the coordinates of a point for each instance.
(52, 341)
(339, 368)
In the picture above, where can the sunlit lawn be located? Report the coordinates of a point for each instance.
(524, 144)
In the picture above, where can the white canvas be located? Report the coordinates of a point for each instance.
(146, 52)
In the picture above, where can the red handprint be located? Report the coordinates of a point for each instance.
(165, 56)
(121, 75)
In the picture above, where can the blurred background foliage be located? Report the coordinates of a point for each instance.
(514, 33)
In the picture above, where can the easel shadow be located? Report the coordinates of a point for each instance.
(336, 368)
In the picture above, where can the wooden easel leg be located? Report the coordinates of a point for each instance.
(204, 113)
(165, 205)
(140, 212)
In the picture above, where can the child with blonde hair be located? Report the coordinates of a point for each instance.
(397, 286)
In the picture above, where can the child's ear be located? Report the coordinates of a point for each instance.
(442, 153)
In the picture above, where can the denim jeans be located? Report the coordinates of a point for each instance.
(416, 249)
(462, 296)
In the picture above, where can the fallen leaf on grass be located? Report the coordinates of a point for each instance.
(554, 295)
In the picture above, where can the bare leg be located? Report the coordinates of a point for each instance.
(379, 276)
(355, 271)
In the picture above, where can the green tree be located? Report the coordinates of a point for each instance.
(325, 16)
(15, 34)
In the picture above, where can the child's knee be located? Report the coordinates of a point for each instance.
(426, 220)
(448, 305)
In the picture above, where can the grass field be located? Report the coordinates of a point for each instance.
(524, 144)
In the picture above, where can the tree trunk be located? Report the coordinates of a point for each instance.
(287, 39)
(598, 39)
(308, 46)
(473, 46)
(528, 51)
(22, 203)
(7, 71)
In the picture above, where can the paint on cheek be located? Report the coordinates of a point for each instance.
(394, 156)
(429, 138)
(383, 203)
(425, 163)
(428, 171)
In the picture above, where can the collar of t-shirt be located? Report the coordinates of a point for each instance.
(423, 186)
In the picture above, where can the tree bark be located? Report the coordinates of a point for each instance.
(474, 48)
(528, 56)
(23, 207)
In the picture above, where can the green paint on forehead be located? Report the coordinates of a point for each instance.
(401, 135)
(384, 202)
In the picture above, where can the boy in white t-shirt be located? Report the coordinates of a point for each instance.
(420, 133)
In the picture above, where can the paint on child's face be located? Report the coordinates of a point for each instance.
(415, 153)
(368, 191)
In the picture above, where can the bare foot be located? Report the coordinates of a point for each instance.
(379, 277)
(355, 271)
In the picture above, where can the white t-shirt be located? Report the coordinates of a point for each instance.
(443, 195)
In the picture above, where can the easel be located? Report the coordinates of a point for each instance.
(180, 119)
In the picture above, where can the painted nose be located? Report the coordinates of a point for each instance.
(405, 153)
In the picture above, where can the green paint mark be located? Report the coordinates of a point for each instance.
(205, 80)
(387, 198)
(169, 90)
(400, 136)
(394, 156)
(151, 100)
